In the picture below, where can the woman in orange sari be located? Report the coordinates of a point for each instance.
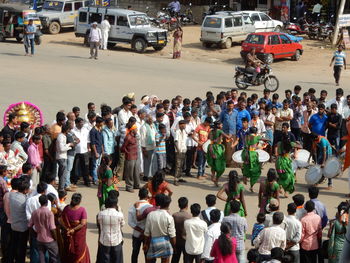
(73, 221)
(157, 186)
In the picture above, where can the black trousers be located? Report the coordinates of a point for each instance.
(111, 254)
(49, 167)
(336, 73)
(136, 247)
(189, 159)
(193, 258)
(6, 249)
(308, 256)
(296, 132)
(170, 153)
(81, 163)
(19, 244)
(179, 249)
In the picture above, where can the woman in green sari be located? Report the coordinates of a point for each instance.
(268, 190)
(251, 166)
(234, 191)
(337, 232)
(106, 180)
(285, 172)
(216, 152)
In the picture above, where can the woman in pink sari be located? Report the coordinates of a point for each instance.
(73, 221)
(177, 42)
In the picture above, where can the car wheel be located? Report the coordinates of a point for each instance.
(110, 45)
(139, 45)
(2, 38)
(227, 44)
(206, 45)
(158, 48)
(278, 29)
(296, 56)
(269, 59)
(54, 28)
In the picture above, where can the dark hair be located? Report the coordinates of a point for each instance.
(113, 193)
(38, 131)
(41, 187)
(23, 184)
(186, 115)
(126, 100)
(105, 160)
(143, 193)
(252, 255)
(244, 119)
(195, 209)
(215, 215)
(260, 218)
(75, 109)
(12, 116)
(343, 206)
(14, 183)
(321, 106)
(91, 115)
(313, 192)
(253, 130)
(159, 114)
(311, 90)
(208, 120)
(183, 202)
(90, 104)
(43, 200)
(76, 199)
(166, 202)
(66, 127)
(157, 179)
(99, 119)
(235, 206)
(287, 91)
(292, 208)
(24, 125)
(19, 135)
(334, 106)
(297, 87)
(225, 243)
(111, 202)
(62, 193)
(210, 200)
(180, 123)
(275, 96)
(60, 116)
(36, 138)
(309, 206)
(339, 91)
(233, 181)
(26, 168)
(286, 144)
(186, 101)
(77, 120)
(277, 218)
(298, 199)
(52, 197)
(3, 169)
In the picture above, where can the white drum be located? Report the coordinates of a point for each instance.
(332, 167)
(313, 174)
(302, 157)
(237, 156)
(263, 156)
(294, 166)
(206, 145)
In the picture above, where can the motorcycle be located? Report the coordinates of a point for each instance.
(153, 21)
(313, 31)
(326, 32)
(243, 79)
(292, 28)
(186, 18)
(167, 21)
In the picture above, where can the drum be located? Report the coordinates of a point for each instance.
(206, 145)
(313, 174)
(302, 157)
(294, 166)
(263, 156)
(332, 167)
(237, 156)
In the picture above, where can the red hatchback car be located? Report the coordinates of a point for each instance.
(270, 46)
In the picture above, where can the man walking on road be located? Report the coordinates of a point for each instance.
(95, 38)
(339, 62)
(105, 27)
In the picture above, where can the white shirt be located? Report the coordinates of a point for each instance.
(209, 209)
(111, 222)
(123, 117)
(283, 113)
(83, 136)
(105, 25)
(293, 231)
(210, 236)
(51, 189)
(33, 204)
(175, 125)
(340, 105)
(195, 229)
(270, 237)
(190, 128)
(144, 137)
(165, 121)
(62, 147)
(160, 223)
(317, 8)
(259, 124)
(132, 220)
(181, 141)
(95, 35)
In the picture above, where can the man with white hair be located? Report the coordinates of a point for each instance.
(95, 38)
(105, 27)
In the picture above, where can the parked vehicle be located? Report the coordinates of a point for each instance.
(223, 29)
(313, 30)
(213, 9)
(297, 27)
(127, 26)
(14, 18)
(243, 79)
(271, 46)
(167, 20)
(57, 14)
(325, 31)
(186, 18)
(264, 23)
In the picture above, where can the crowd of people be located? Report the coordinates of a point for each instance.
(177, 137)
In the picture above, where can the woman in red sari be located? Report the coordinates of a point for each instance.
(73, 221)
(157, 186)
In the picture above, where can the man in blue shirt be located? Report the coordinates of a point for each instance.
(242, 113)
(318, 121)
(174, 7)
(29, 37)
(228, 118)
(96, 142)
(339, 62)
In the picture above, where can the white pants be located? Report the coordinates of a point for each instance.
(104, 39)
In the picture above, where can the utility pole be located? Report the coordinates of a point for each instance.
(336, 30)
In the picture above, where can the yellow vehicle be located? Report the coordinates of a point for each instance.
(13, 20)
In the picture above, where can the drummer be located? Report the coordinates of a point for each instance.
(284, 163)
(322, 149)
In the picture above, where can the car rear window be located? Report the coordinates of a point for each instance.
(213, 22)
(255, 39)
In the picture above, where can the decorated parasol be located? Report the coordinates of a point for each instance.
(25, 112)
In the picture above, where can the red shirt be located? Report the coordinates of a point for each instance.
(130, 147)
(203, 133)
(44, 221)
(219, 258)
(311, 231)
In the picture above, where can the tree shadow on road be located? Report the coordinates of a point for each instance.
(67, 43)
(12, 54)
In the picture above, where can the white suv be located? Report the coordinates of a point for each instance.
(264, 23)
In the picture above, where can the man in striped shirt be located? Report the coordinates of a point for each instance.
(339, 62)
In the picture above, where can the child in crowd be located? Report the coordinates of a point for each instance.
(62, 196)
(161, 149)
(259, 226)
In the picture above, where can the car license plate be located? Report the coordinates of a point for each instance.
(160, 41)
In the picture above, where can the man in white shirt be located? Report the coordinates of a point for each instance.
(110, 223)
(284, 115)
(195, 229)
(95, 38)
(32, 203)
(293, 232)
(210, 200)
(180, 151)
(105, 27)
(138, 226)
(81, 152)
(125, 113)
(212, 234)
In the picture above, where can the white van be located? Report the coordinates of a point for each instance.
(223, 29)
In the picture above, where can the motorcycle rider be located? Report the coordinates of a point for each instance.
(174, 8)
(253, 64)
